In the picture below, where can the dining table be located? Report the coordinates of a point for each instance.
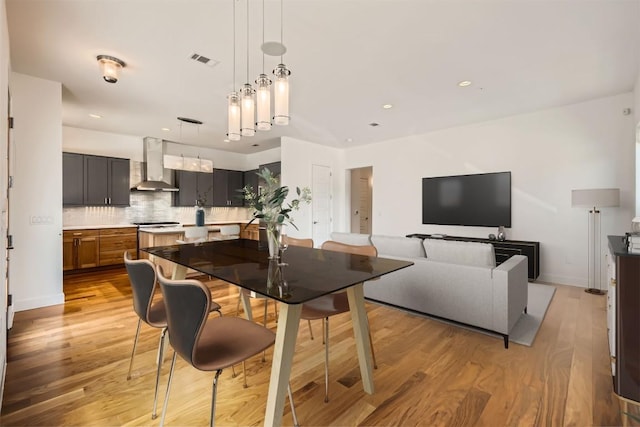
(298, 276)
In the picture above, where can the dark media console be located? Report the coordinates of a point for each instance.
(503, 249)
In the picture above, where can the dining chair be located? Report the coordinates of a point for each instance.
(228, 232)
(150, 310)
(194, 235)
(333, 304)
(208, 344)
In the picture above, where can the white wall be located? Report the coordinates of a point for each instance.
(636, 114)
(36, 261)
(298, 157)
(550, 152)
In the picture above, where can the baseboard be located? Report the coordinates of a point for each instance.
(31, 303)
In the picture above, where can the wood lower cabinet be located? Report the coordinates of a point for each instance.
(80, 249)
(114, 242)
(250, 232)
(90, 248)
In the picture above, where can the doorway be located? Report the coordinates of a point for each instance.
(321, 205)
(361, 200)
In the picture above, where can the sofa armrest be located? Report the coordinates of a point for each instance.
(510, 292)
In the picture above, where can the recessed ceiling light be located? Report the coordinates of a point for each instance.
(387, 106)
(166, 129)
(349, 139)
(464, 83)
(225, 140)
(255, 145)
(374, 124)
(95, 116)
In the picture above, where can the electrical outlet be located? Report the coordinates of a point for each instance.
(40, 220)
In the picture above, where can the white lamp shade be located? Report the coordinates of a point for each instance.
(263, 103)
(248, 112)
(595, 198)
(233, 130)
(281, 95)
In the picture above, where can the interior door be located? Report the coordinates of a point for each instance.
(321, 181)
(365, 205)
(6, 314)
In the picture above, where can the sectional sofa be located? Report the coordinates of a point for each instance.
(453, 280)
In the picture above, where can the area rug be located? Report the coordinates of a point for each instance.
(526, 328)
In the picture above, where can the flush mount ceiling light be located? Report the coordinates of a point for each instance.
(110, 67)
(464, 83)
(387, 106)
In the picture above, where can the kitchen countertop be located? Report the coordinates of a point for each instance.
(211, 226)
(97, 227)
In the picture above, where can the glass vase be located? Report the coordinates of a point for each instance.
(274, 231)
(199, 216)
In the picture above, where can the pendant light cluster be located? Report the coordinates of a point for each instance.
(251, 108)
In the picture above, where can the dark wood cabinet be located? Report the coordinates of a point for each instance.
(623, 318)
(72, 179)
(193, 186)
(106, 181)
(94, 180)
(226, 184)
(504, 250)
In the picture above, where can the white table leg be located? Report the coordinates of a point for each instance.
(179, 272)
(284, 348)
(361, 333)
(246, 305)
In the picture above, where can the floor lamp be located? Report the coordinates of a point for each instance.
(594, 199)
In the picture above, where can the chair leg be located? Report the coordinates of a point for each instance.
(293, 406)
(238, 304)
(160, 360)
(266, 308)
(135, 343)
(310, 330)
(326, 359)
(275, 309)
(166, 396)
(244, 375)
(212, 422)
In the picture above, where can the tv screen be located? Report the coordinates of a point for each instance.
(476, 200)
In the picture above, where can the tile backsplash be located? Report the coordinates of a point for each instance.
(146, 206)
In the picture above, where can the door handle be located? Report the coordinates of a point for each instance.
(315, 222)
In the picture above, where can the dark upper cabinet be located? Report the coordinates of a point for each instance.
(106, 181)
(205, 188)
(273, 167)
(226, 184)
(193, 186)
(94, 180)
(72, 179)
(251, 180)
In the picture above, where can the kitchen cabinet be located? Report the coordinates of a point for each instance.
(250, 231)
(106, 181)
(72, 179)
(114, 242)
(251, 181)
(226, 184)
(192, 186)
(80, 249)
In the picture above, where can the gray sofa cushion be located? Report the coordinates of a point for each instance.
(351, 238)
(398, 246)
(467, 253)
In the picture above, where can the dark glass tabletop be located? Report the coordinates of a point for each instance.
(301, 275)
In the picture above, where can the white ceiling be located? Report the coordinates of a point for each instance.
(347, 57)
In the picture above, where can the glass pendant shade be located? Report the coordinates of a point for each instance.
(281, 95)
(263, 102)
(248, 111)
(234, 117)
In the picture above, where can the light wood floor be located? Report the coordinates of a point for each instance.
(68, 365)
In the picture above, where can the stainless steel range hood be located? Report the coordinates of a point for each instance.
(153, 172)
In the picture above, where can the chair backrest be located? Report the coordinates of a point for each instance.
(292, 241)
(366, 250)
(192, 234)
(187, 303)
(230, 230)
(142, 276)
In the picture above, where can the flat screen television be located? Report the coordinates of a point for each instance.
(476, 200)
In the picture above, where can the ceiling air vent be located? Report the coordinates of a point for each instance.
(204, 60)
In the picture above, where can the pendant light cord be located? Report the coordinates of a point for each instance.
(281, 27)
(247, 41)
(263, 36)
(234, 45)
